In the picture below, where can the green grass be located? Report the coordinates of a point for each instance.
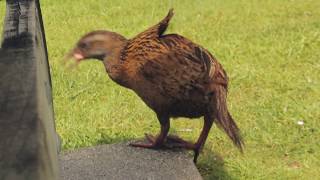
(270, 49)
(2, 14)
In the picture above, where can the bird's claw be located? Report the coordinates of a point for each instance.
(152, 143)
(150, 138)
(142, 145)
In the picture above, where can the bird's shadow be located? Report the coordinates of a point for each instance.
(211, 166)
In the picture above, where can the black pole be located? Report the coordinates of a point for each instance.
(28, 140)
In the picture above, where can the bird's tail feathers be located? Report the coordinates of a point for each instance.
(223, 118)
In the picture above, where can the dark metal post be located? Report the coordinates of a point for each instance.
(28, 140)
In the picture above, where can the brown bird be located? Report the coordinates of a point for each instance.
(172, 75)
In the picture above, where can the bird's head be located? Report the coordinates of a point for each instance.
(96, 45)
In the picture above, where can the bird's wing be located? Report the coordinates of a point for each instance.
(181, 69)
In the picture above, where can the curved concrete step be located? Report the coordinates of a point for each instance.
(120, 161)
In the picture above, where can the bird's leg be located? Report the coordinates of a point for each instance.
(156, 142)
(175, 141)
(208, 121)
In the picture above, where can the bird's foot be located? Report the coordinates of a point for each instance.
(177, 142)
(171, 142)
(143, 145)
(153, 142)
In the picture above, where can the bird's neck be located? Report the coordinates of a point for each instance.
(114, 66)
(112, 59)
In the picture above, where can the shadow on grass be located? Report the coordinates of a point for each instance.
(211, 166)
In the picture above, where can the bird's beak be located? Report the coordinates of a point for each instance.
(73, 54)
(78, 56)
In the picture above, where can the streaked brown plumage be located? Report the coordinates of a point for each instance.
(173, 76)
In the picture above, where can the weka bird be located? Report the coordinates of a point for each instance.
(172, 75)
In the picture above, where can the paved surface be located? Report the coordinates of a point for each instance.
(120, 161)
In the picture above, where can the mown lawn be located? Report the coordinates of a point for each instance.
(270, 49)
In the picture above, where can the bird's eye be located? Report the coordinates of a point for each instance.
(83, 45)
